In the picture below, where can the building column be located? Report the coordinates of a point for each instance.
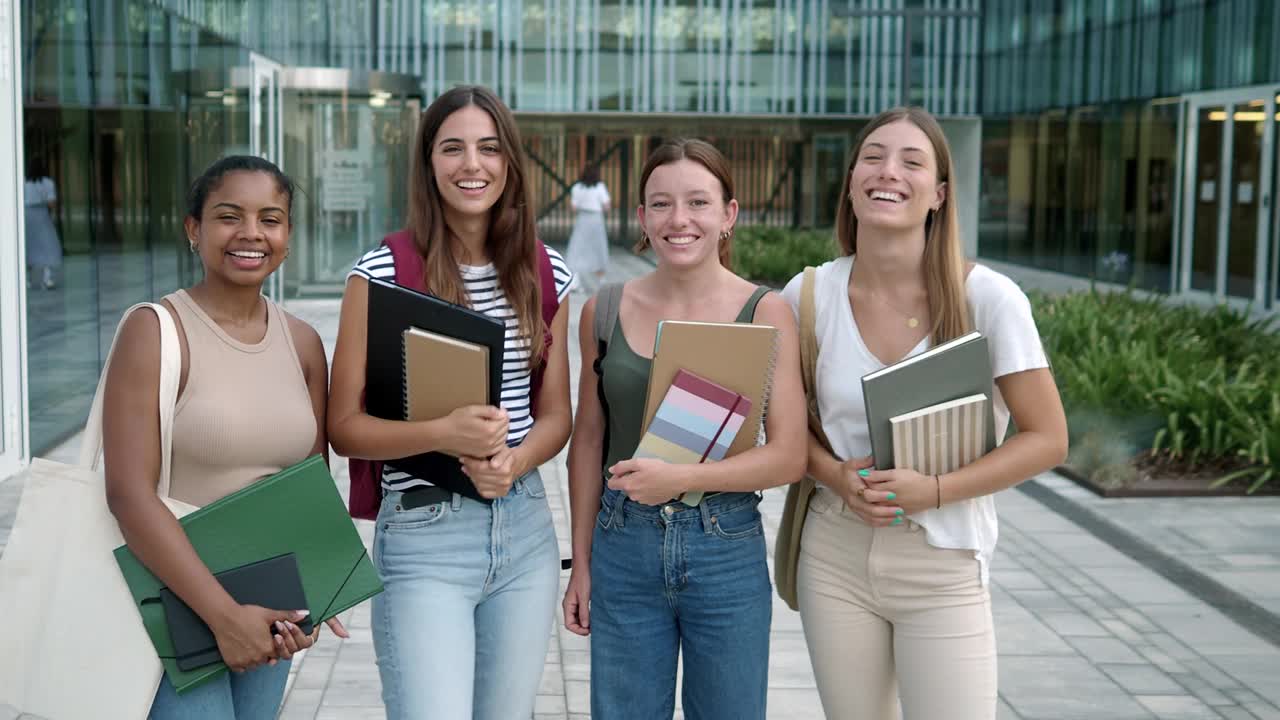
(13, 339)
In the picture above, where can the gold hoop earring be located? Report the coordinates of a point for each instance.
(725, 235)
(193, 247)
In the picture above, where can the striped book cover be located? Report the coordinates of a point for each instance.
(943, 437)
(696, 421)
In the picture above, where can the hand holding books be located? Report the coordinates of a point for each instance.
(494, 475)
(476, 431)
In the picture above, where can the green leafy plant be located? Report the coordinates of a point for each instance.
(774, 255)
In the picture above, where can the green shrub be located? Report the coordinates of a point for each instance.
(774, 255)
(1198, 384)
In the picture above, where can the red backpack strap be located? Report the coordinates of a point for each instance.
(550, 306)
(410, 271)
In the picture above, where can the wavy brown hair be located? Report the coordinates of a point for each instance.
(511, 243)
(706, 155)
(944, 263)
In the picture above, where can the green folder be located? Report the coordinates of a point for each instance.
(298, 510)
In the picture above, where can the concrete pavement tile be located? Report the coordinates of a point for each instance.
(1161, 659)
(301, 703)
(1121, 630)
(1142, 679)
(1043, 600)
(552, 682)
(1139, 586)
(1210, 673)
(790, 668)
(1136, 620)
(1235, 712)
(1004, 712)
(1258, 674)
(1074, 623)
(577, 695)
(577, 665)
(1099, 650)
(1177, 707)
(1203, 690)
(1263, 711)
(337, 712)
(1011, 580)
(1019, 632)
(792, 704)
(1251, 560)
(1208, 631)
(550, 704)
(1065, 689)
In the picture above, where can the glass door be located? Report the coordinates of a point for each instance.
(265, 133)
(1227, 210)
(13, 341)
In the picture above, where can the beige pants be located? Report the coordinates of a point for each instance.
(888, 616)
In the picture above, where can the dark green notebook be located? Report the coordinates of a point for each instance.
(298, 510)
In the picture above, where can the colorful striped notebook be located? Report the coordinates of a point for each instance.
(696, 422)
(943, 437)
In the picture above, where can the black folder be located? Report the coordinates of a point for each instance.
(394, 309)
(273, 583)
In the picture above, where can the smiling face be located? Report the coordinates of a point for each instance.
(242, 234)
(468, 162)
(894, 180)
(684, 212)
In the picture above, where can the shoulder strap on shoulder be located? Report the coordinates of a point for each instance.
(547, 281)
(748, 312)
(809, 352)
(410, 271)
(607, 301)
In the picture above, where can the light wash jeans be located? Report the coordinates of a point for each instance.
(670, 581)
(463, 625)
(252, 695)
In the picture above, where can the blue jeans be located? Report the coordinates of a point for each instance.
(463, 626)
(252, 695)
(672, 579)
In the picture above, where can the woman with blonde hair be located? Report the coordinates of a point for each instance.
(893, 564)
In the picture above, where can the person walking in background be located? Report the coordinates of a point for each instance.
(892, 576)
(655, 580)
(251, 402)
(588, 251)
(44, 250)
(463, 626)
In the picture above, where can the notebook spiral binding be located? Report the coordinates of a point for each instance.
(404, 375)
(767, 390)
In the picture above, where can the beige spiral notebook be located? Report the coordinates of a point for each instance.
(738, 356)
(442, 374)
(941, 438)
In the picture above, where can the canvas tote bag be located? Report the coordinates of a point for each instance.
(786, 553)
(74, 646)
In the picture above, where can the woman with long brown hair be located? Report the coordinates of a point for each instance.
(893, 565)
(656, 581)
(463, 626)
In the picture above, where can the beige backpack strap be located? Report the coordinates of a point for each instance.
(809, 351)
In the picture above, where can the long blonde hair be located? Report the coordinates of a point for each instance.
(944, 263)
(511, 242)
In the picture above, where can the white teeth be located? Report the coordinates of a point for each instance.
(883, 195)
(472, 184)
(249, 254)
(681, 239)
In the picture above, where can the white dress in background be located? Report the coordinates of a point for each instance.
(588, 251)
(43, 248)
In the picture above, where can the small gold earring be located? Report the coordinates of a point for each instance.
(193, 246)
(725, 235)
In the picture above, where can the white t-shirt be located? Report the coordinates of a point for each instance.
(485, 294)
(1000, 311)
(591, 198)
(39, 192)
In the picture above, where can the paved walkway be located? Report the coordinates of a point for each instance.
(1090, 624)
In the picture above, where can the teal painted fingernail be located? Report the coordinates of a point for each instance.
(896, 521)
(892, 496)
(899, 511)
(864, 473)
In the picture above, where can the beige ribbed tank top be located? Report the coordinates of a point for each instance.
(244, 413)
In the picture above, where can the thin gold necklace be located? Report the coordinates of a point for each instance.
(912, 321)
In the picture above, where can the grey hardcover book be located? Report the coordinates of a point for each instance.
(955, 369)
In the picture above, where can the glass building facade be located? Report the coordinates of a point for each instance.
(1134, 142)
(1126, 140)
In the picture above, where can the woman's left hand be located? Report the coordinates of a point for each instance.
(648, 481)
(912, 491)
(290, 639)
(492, 476)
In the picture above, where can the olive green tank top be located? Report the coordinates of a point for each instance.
(626, 384)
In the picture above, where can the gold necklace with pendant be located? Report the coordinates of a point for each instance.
(912, 321)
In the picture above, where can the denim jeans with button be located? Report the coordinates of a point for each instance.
(672, 580)
(463, 625)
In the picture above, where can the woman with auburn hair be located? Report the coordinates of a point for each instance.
(462, 629)
(893, 565)
(654, 580)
